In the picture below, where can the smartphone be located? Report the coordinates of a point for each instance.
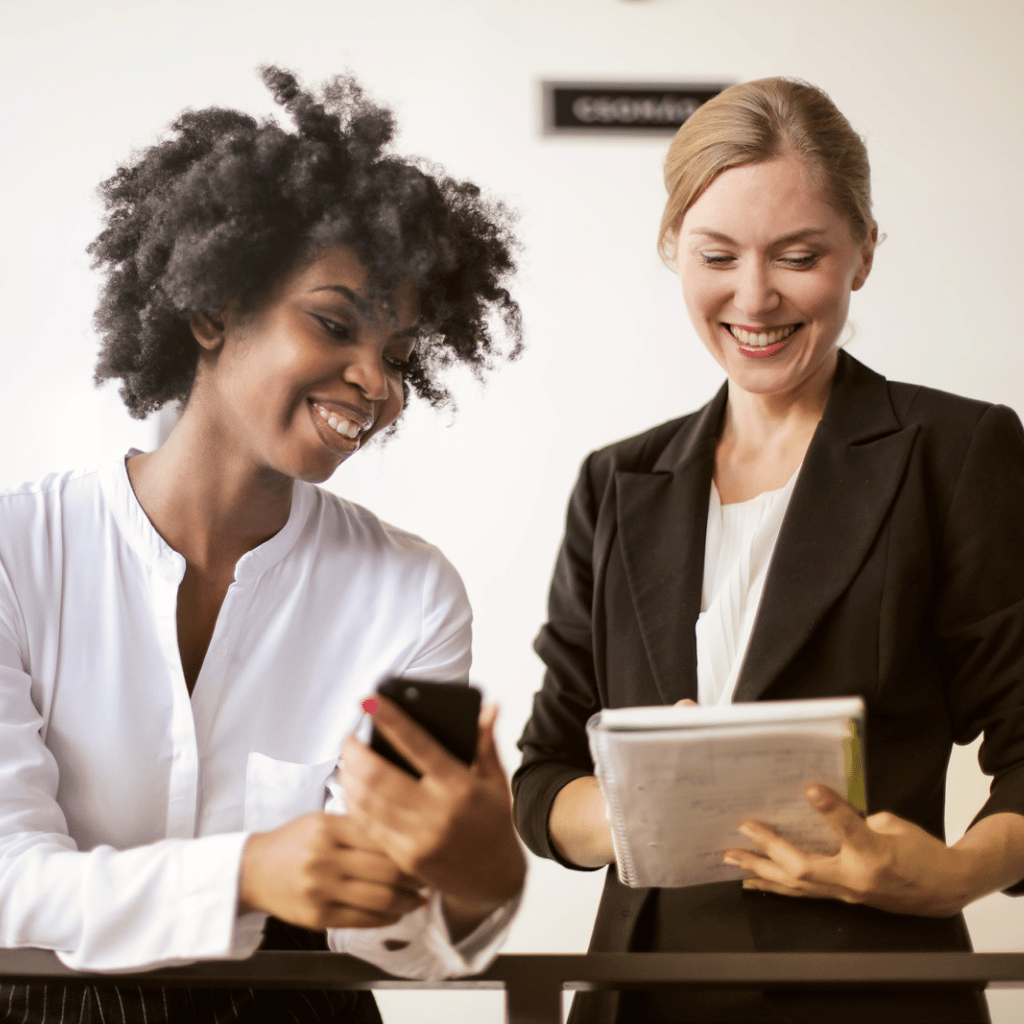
(448, 711)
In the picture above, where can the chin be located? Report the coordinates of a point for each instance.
(779, 376)
(319, 476)
(311, 470)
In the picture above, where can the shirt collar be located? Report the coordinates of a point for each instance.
(152, 549)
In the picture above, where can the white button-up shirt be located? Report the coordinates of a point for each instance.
(125, 803)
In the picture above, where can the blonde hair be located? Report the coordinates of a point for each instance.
(759, 120)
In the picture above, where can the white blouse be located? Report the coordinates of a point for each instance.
(125, 802)
(740, 540)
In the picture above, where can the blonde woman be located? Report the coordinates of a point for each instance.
(815, 530)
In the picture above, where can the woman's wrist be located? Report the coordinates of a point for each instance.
(463, 916)
(464, 913)
(249, 892)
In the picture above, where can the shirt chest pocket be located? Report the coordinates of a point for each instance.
(278, 791)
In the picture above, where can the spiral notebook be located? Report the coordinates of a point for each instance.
(678, 780)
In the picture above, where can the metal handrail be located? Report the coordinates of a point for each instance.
(534, 982)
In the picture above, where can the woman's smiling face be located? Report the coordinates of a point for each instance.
(297, 385)
(767, 268)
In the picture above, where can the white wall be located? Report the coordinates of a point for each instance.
(934, 85)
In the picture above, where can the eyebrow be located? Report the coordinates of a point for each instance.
(793, 236)
(365, 309)
(357, 300)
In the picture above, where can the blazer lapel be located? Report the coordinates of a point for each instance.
(849, 479)
(662, 520)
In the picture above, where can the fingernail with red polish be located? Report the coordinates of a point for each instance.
(370, 705)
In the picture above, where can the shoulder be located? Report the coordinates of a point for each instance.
(954, 428)
(347, 522)
(960, 458)
(659, 447)
(641, 451)
(34, 524)
(30, 511)
(859, 391)
(865, 405)
(51, 488)
(339, 530)
(930, 408)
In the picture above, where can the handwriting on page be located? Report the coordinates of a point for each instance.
(685, 799)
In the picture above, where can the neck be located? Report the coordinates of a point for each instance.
(755, 422)
(209, 508)
(765, 437)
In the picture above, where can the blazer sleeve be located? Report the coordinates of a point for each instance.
(554, 742)
(979, 611)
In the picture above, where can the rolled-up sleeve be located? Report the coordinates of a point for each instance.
(554, 742)
(980, 606)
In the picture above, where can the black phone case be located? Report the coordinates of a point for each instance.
(448, 711)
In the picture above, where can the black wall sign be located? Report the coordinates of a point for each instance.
(606, 107)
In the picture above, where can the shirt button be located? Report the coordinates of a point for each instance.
(222, 650)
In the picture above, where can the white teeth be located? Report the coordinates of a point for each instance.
(761, 339)
(339, 424)
(343, 426)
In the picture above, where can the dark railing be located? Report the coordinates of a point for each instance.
(534, 982)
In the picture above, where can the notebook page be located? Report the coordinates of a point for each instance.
(675, 797)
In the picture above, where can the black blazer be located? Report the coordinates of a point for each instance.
(898, 576)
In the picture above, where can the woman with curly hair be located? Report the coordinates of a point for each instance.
(186, 634)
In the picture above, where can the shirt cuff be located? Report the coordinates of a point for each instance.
(419, 946)
(178, 902)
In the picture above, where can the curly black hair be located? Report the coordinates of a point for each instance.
(227, 205)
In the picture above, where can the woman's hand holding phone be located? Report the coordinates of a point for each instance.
(452, 828)
(320, 871)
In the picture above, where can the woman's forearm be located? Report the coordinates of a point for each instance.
(992, 855)
(578, 825)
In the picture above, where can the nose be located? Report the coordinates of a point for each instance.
(366, 371)
(756, 293)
